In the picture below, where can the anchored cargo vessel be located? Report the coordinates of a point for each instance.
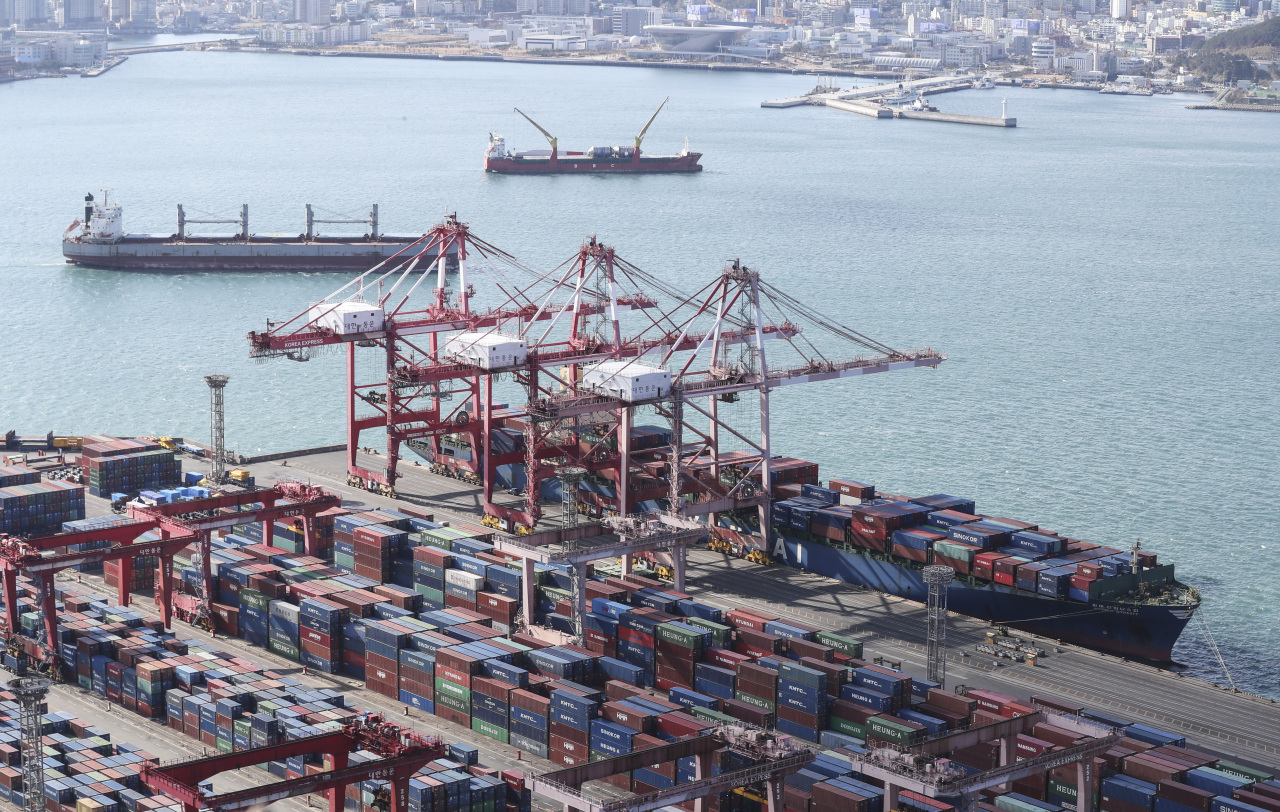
(1010, 572)
(1006, 571)
(100, 242)
(604, 160)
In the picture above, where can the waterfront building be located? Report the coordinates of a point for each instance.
(1043, 54)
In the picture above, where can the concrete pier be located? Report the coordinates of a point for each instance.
(956, 118)
(868, 109)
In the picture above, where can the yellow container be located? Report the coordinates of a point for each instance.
(239, 475)
(66, 442)
(89, 805)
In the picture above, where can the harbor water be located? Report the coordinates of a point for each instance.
(1102, 278)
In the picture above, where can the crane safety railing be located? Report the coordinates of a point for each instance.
(737, 778)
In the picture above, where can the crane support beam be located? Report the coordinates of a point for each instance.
(403, 755)
(598, 770)
(770, 771)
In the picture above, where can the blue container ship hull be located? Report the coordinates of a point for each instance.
(1145, 632)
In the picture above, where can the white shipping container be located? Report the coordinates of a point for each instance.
(348, 318)
(628, 381)
(486, 350)
(463, 578)
(284, 609)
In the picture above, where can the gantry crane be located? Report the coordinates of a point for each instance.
(553, 334)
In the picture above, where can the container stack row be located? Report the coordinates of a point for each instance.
(29, 505)
(227, 703)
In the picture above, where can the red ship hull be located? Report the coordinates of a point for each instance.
(575, 165)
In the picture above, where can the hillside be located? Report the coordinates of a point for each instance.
(1247, 38)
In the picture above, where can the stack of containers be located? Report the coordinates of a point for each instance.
(455, 666)
(679, 646)
(254, 624)
(417, 680)
(320, 625)
(282, 624)
(490, 707)
(128, 466)
(429, 566)
(464, 582)
(375, 547)
(530, 722)
(40, 507)
(11, 475)
(572, 711)
(636, 643)
(382, 644)
(801, 701)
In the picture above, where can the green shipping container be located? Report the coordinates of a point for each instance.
(224, 746)
(719, 633)
(1240, 771)
(283, 649)
(430, 594)
(842, 644)
(847, 728)
(888, 729)
(242, 727)
(458, 692)
(951, 549)
(755, 701)
(254, 599)
(1014, 805)
(674, 634)
(492, 731)
(453, 703)
(708, 715)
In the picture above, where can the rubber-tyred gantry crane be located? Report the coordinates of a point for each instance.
(567, 338)
(402, 752)
(41, 560)
(198, 518)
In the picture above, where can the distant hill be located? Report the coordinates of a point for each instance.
(1262, 35)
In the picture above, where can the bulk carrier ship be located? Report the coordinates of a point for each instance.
(100, 242)
(596, 160)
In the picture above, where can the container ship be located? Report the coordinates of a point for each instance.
(1010, 572)
(596, 160)
(99, 241)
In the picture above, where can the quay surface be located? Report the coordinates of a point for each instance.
(1240, 726)
(862, 101)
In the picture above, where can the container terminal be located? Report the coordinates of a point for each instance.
(360, 628)
(99, 241)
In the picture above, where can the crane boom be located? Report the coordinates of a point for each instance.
(550, 138)
(640, 137)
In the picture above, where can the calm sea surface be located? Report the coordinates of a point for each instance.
(1103, 278)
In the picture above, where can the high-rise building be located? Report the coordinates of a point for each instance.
(30, 12)
(313, 12)
(1120, 9)
(77, 13)
(629, 21)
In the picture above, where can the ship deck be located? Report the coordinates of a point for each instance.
(1241, 726)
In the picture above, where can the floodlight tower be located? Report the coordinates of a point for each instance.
(937, 578)
(30, 693)
(217, 425)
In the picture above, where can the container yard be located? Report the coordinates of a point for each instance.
(582, 602)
